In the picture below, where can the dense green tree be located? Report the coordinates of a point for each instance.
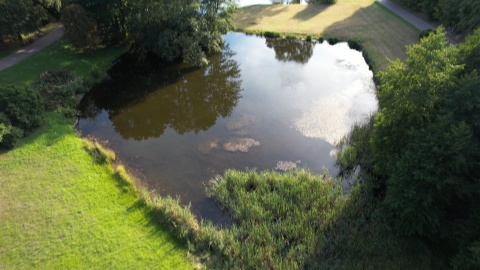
(470, 52)
(172, 29)
(19, 17)
(462, 15)
(426, 141)
(51, 6)
(81, 28)
(188, 33)
(110, 16)
(21, 111)
(469, 14)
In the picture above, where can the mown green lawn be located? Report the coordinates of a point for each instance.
(383, 34)
(59, 55)
(59, 209)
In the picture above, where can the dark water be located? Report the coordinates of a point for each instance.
(260, 104)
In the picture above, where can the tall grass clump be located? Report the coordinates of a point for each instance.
(99, 153)
(277, 215)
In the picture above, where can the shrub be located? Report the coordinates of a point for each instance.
(346, 159)
(269, 34)
(426, 33)
(332, 41)
(98, 74)
(59, 89)
(4, 129)
(320, 39)
(355, 45)
(80, 27)
(11, 138)
(309, 38)
(23, 107)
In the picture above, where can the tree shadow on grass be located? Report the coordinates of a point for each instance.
(55, 129)
(310, 11)
(383, 34)
(254, 14)
(359, 237)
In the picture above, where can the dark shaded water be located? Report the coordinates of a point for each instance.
(263, 104)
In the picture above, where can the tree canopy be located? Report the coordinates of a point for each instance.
(162, 27)
(462, 15)
(19, 17)
(426, 141)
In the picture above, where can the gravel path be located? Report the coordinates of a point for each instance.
(406, 15)
(32, 48)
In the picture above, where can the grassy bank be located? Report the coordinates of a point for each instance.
(383, 34)
(60, 55)
(59, 208)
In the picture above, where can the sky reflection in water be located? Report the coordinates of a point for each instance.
(278, 100)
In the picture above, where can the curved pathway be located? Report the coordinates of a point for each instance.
(32, 48)
(406, 15)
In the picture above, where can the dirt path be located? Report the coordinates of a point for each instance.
(413, 19)
(406, 15)
(32, 48)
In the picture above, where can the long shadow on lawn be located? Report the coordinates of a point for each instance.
(55, 128)
(310, 11)
(383, 34)
(256, 13)
(360, 238)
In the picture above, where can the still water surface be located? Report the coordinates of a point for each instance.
(263, 103)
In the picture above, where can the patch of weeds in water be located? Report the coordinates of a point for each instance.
(277, 215)
(277, 218)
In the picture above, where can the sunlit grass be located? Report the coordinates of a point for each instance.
(59, 209)
(59, 55)
(383, 34)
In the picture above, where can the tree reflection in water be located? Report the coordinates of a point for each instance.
(287, 50)
(182, 98)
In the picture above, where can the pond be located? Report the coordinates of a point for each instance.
(264, 104)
